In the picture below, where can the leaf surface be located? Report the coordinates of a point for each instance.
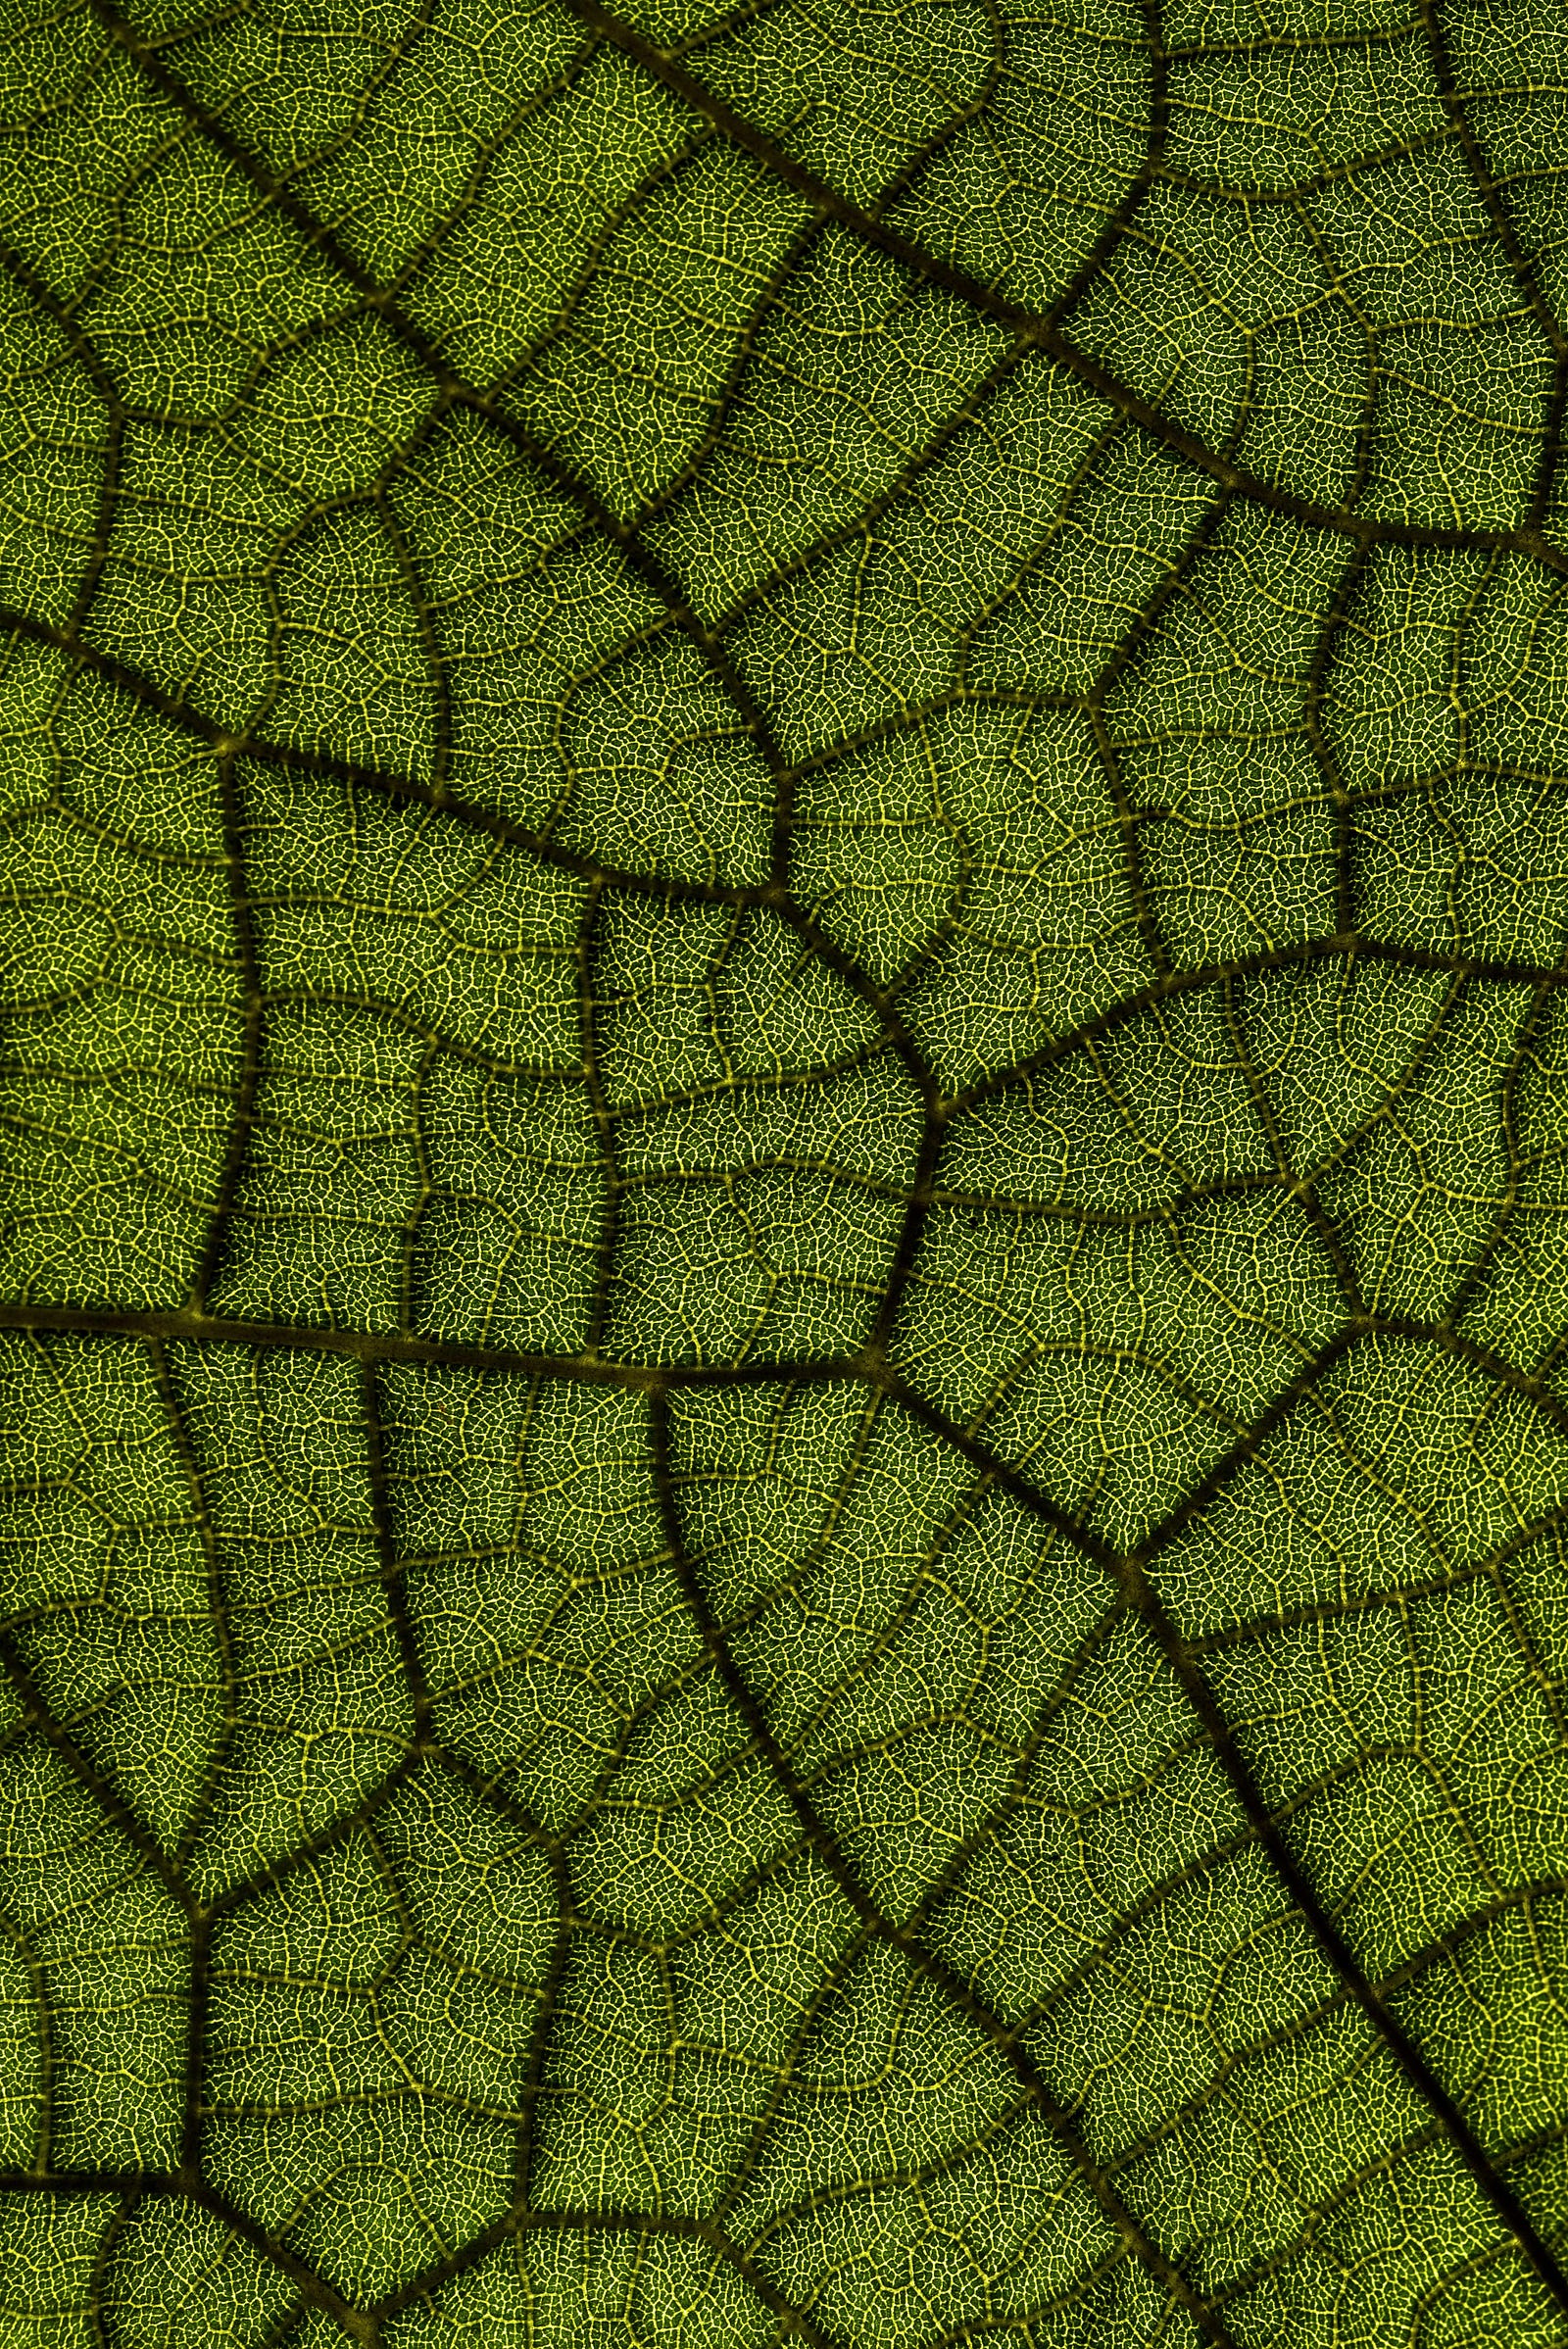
(782, 1556)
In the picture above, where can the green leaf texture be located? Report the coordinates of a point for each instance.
(782, 1328)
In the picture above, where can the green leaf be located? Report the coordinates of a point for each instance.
(784, 1532)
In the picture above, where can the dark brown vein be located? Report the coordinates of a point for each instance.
(386, 1547)
(604, 1127)
(220, 740)
(102, 2256)
(1130, 1573)
(115, 417)
(165, 2186)
(831, 205)
(252, 1036)
(1352, 946)
(37, 1716)
(945, 1977)
(1301, 1192)
(216, 1594)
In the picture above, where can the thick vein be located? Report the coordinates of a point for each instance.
(1403, 1976)
(830, 204)
(476, 816)
(37, 1716)
(217, 1608)
(1353, 945)
(1129, 1571)
(395, 1346)
(224, 743)
(945, 1977)
(165, 2186)
(1302, 1191)
(252, 1035)
(364, 2324)
(115, 416)
(392, 1575)
(604, 1124)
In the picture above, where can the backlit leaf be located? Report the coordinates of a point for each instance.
(784, 1539)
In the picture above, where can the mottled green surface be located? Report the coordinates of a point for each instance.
(784, 1551)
